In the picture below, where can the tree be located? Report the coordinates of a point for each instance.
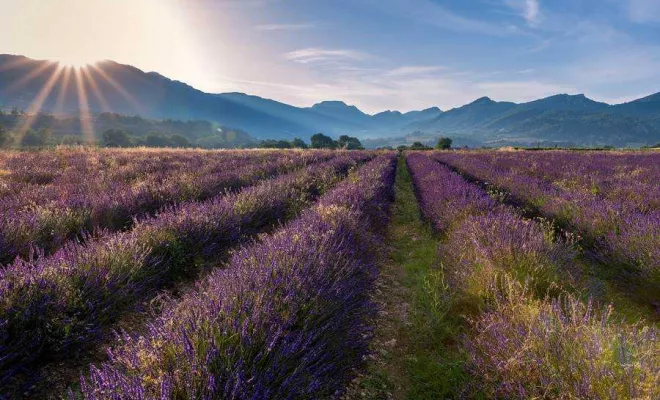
(72, 140)
(155, 139)
(350, 143)
(298, 143)
(444, 143)
(116, 138)
(275, 144)
(419, 146)
(33, 139)
(320, 141)
(179, 141)
(4, 137)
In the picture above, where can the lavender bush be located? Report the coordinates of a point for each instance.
(484, 238)
(561, 348)
(444, 197)
(71, 297)
(618, 232)
(528, 337)
(109, 192)
(287, 319)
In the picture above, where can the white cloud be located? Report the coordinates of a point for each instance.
(284, 27)
(315, 55)
(403, 88)
(415, 70)
(530, 10)
(644, 11)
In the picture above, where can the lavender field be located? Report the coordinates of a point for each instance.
(318, 274)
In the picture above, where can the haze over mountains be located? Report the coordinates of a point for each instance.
(123, 89)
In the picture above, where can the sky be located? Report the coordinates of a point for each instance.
(376, 54)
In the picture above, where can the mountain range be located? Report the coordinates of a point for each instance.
(109, 86)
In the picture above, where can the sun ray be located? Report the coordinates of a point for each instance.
(105, 107)
(35, 73)
(64, 87)
(84, 114)
(119, 88)
(38, 102)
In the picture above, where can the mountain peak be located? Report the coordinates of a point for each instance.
(388, 112)
(564, 101)
(432, 109)
(331, 103)
(568, 96)
(483, 100)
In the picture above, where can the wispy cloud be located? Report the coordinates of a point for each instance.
(316, 55)
(402, 87)
(530, 10)
(415, 70)
(284, 27)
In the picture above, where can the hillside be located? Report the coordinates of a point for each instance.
(127, 90)
(560, 119)
(69, 129)
(122, 89)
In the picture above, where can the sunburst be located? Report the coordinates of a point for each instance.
(66, 73)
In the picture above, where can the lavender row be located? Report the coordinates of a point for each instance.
(101, 201)
(616, 234)
(630, 178)
(482, 232)
(289, 318)
(40, 172)
(529, 337)
(60, 302)
(561, 347)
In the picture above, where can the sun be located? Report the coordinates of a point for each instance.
(75, 62)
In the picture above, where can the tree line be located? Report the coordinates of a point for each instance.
(317, 141)
(442, 144)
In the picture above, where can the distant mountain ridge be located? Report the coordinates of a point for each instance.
(560, 119)
(127, 90)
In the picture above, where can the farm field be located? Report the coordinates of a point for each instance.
(296, 274)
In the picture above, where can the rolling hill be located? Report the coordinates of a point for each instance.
(123, 89)
(561, 119)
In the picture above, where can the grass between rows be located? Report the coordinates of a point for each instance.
(415, 356)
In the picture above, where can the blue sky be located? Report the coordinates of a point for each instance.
(387, 54)
(407, 54)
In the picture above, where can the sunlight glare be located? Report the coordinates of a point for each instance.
(75, 62)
